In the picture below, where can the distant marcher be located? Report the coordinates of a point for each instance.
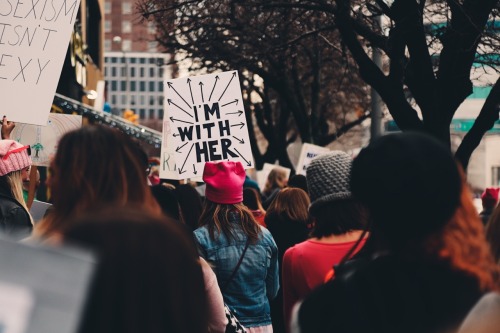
(249, 182)
(430, 262)
(276, 180)
(489, 200)
(243, 254)
(95, 167)
(148, 278)
(167, 199)
(251, 199)
(288, 221)
(15, 163)
(190, 205)
(298, 181)
(338, 220)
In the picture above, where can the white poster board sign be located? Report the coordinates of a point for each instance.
(307, 153)
(204, 121)
(266, 170)
(34, 38)
(16, 303)
(44, 139)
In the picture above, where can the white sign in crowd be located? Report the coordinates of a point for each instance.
(33, 41)
(204, 121)
(307, 153)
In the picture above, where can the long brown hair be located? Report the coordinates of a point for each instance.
(291, 204)
(461, 242)
(216, 217)
(95, 167)
(275, 176)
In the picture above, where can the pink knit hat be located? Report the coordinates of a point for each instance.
(13, 157)
(224, 182)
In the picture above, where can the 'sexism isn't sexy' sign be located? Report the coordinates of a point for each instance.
(204, 121)
(34, 37)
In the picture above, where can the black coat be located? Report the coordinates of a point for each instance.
(390, 295)
(14, 219)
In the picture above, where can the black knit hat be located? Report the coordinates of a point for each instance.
(409, 181)
(328, 178)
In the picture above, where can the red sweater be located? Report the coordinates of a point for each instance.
(305, 266)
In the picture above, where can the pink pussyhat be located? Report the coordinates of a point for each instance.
(224, 181)
(13, 156)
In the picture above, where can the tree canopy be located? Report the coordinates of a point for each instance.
(299, 57)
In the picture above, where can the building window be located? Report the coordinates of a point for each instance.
(114, 85)
(151, 113)
(132, 72)
(114, 60)
(151, 28)
(142, 60)
(142, 113)
(107, 26)
(160, 113)
(162, 72)
(143, 100)
(113, 100)
(127, 45)
(107, 7)
(151, 72)
(126, 8)
(133, 60)
(151, 100)
(142, 86)
(152, 86)
(126, 27)
(113, 71)
(107, 45)
(160, 100)
(160, 86)
(133, 86)
(495, 176)
(124, 99)
(106, 71)
(123, 86)
(142, 72)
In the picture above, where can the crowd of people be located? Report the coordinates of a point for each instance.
(389, 241)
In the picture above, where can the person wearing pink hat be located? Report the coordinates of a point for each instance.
(15, 162)
(243, 253)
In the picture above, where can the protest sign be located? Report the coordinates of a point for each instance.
(266, 170)
(307, 153)
(34, 38)
(204, 121)
(44, 139)
(42, 289)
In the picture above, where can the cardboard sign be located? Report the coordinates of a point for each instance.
(266, 170)
(34, 38)
(204, 121)
(307, 153)
(44, 288)
(44, 139)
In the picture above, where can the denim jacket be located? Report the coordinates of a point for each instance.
(256, 280)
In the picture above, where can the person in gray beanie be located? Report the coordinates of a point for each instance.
(338, 225)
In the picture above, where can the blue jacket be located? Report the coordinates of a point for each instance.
(257, 279)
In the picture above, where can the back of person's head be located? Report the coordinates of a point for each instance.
(290, 204)
(409, 182)
(148, 277)
(167, 199)
(298, 181)
(251, 199)
(489, 198)
(191, 205)
(332, 206)
(224, 196)
(95, 167)
(275, 179)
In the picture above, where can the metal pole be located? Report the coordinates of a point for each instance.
(127, 81)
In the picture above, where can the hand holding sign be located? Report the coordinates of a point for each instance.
(204, 124)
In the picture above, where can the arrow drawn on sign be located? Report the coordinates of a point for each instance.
(240, 124)
(182, 121)
(239, 140)
(216, 79)
(191, 91)
(235, 101)
(176, 135)
(183, 164)
(201, 88)
(171, 86)
(179, 148)
(194, 168)
(248, 163)
(237, 112)
(232, 77)
(171, 102)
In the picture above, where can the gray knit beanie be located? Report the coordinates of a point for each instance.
(328, 178)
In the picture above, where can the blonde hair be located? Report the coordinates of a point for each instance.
(274, 176)
(15, 181)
